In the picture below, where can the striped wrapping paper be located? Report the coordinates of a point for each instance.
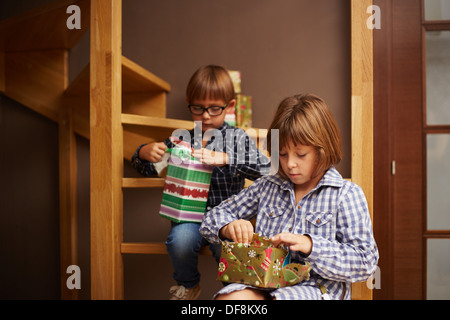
(186, 188)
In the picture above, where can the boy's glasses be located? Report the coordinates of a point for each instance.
(213, 111)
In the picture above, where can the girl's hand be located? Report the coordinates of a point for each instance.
(213, 158)
(240, 231)
(295, 242)
(153, 151)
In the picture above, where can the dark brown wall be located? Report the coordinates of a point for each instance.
(29, 204)
(281, 48)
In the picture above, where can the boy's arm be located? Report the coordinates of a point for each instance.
(244, 157)
(145, 167)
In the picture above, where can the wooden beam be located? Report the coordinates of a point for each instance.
(67, 199)
(106, 149)
(2, 71)
(362, 112)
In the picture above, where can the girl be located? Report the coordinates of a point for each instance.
(307, 206)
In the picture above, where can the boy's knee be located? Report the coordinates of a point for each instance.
(183, 243)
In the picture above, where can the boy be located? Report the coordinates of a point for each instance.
(233, 154)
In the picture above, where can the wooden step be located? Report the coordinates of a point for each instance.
(151, 248)
(44, 28)
(143, 182)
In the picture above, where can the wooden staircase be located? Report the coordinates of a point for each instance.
(119, 105)
(34, 72)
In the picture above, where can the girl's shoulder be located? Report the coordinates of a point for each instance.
(271, 181)
(344, 186)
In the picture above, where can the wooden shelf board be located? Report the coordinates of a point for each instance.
(135, 79)
(139, 79)
(143, 182)
(151, 248)
(132, 119)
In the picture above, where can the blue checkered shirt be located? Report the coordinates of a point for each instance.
(245, 161)
(334, 214)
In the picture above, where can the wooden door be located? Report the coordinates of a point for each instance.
(403, 138)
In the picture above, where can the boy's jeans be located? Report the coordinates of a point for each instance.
(183, 244)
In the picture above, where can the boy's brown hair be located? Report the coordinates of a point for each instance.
(307, 120)
(210, 82)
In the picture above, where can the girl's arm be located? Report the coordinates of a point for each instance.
(240, 231)
(295, 242)
(230, 219)
(353, 255)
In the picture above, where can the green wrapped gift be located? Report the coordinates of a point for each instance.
(259, 264)
(244, 111)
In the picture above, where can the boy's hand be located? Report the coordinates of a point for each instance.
(153, 151)
(213, 158)
(295, 242)
(240, 231)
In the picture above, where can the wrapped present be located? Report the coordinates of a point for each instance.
(236, 79)
(243, 111)
(186, 186)
(259, 264)
(230, 116)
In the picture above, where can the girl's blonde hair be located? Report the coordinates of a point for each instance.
(210, 82)
(306, 119)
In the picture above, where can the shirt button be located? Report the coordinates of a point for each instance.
(318, 221)
(290, 229)
(299, 206)
(271, 214)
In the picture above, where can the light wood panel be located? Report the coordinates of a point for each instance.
(106, 150)
(362, 113)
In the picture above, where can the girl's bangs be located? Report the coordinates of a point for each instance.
(291, 133)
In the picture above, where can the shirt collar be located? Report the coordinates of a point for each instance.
(331, 178)
(222, 130)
